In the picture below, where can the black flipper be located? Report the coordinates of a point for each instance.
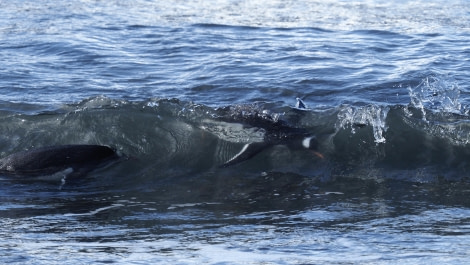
(248, 151)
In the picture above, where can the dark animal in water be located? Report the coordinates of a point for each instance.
(72, 160)
(275, 133)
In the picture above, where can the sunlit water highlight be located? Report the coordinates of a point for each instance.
(385, 83)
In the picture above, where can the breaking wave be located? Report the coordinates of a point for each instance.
(426, 140)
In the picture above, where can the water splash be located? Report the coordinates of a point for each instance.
(371, 115)
(441, 94)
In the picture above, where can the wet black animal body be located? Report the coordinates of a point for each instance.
(72, 160)
(275, 133)
(283, 136)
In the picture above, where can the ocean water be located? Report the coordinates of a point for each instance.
(181, 87)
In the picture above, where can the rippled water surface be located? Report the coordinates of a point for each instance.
(181, 87)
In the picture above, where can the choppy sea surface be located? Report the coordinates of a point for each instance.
(180, 87)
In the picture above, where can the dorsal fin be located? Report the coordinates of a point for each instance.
(300, 104)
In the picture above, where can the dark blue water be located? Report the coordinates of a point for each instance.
(181, 87)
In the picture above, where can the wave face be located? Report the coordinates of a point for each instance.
(386, 85)
(169, 138)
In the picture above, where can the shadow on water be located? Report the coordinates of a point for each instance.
(218, 199)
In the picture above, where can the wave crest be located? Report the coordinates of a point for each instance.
(171, 137)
